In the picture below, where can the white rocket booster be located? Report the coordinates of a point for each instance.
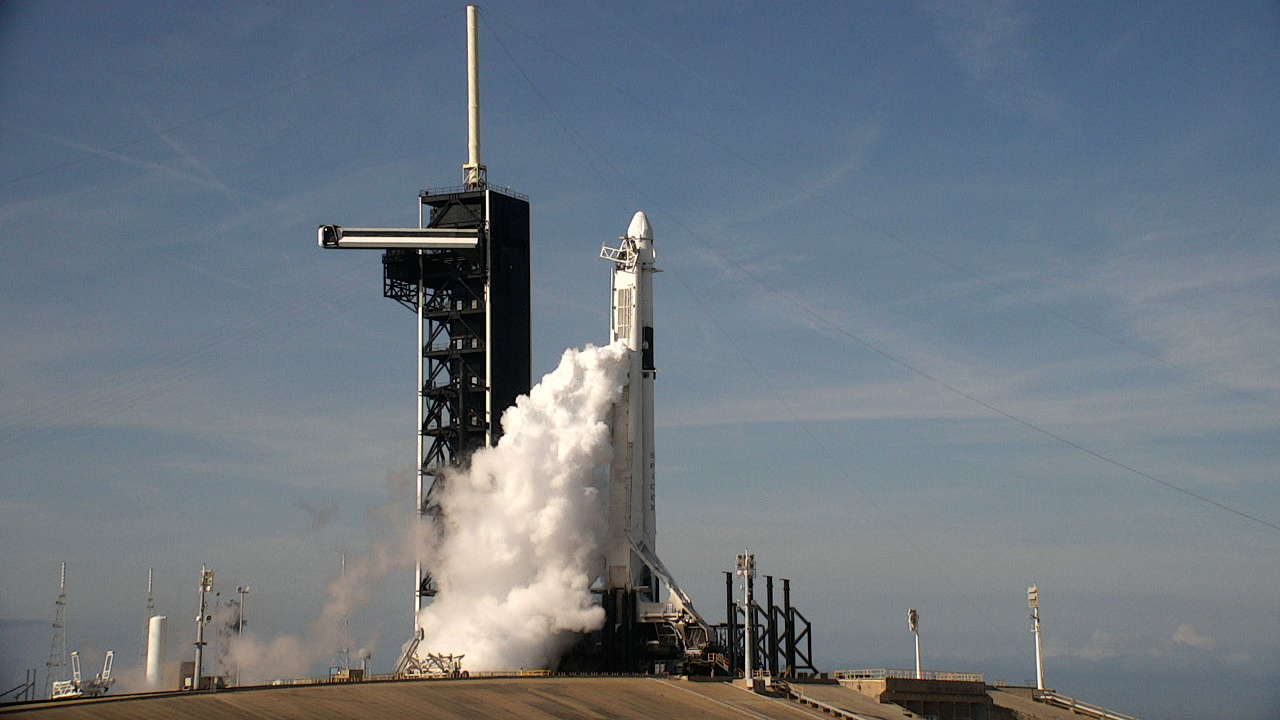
(632, 526)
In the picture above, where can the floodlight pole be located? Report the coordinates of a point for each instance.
(1033, 600)
(206, 584)
(243, 590)
(919, 673)
(913, 622)
(747, 569)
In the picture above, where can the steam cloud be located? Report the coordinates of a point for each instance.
(403, 539)
(522, 526)
(518, 547)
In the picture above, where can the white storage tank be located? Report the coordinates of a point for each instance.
(157, 639)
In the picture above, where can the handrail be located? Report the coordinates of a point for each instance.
(883, 673)
(791, 693)
(458, 189)
(1080, 707)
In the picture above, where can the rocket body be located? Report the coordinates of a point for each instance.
(632, 520)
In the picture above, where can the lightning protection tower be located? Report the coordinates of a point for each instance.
(150, 611)
(464, 272)
(57, 666)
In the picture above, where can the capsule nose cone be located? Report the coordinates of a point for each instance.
(639, 227)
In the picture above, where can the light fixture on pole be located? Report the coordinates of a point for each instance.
(747, 569)
(206, 584)
(1033, 601)
(913, 622)
(243, 590)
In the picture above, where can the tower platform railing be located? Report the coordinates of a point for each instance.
(883, 673)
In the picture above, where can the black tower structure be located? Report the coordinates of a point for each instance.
(474, 319)
(464, 271)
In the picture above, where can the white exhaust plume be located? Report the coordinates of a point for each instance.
(520, 544)
(521, 534)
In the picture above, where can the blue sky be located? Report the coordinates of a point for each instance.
(946, 286)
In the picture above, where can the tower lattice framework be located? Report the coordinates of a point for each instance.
(474, 324)
(56, 667)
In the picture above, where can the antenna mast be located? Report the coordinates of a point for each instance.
(206, 585)
(57, 665)
(151, 608)
(342, 658)
(747, 569)
(473, 173)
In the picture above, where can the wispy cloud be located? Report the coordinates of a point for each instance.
(845, 162)
(1184, 642)
(1101, 391)
(990, 45)
(199, 165)
(1208, 309)
(202, 178)
(822, 402)
(1101, 646)
(1186, 635)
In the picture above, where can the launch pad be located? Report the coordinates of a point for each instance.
(465, 273)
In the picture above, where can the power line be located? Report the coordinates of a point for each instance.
(836, 328)
(767, 172)
(840, 330)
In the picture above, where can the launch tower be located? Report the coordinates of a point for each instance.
(464, 271)
(474, 330)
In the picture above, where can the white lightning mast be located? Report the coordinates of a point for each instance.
(473, 173)
(342, 657)
(151, 607)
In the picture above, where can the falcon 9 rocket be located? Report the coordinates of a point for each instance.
(631, 490)
(643, 629)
